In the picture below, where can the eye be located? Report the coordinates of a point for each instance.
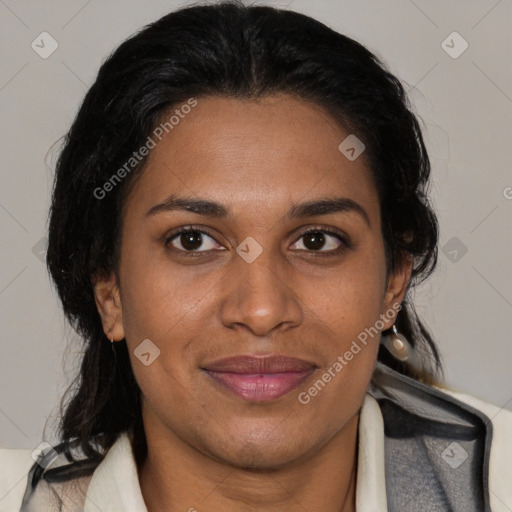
(189, 239)
(321, 240)
(192, 240)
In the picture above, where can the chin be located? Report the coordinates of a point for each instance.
(267, 454)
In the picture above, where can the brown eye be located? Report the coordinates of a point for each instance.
(314, 241)
(190, 240)
(320, 241)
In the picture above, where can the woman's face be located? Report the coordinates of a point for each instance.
(252, 284)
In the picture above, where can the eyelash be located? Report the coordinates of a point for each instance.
(345, 243)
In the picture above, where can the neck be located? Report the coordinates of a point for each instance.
(175, 476)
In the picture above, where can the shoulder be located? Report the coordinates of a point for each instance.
(14, 468)
(411, 408)
(500, 459)
(36, 478)
(500, 417)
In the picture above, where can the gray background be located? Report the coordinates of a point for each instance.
(464, 102)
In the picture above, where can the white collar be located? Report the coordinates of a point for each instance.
(371, 481)
(115, 485)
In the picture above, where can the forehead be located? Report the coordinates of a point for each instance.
(249, 153)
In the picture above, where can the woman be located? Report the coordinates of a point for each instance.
(238, 219)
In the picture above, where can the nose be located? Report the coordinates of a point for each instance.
(260, 297)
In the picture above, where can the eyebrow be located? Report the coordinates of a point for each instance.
(216, 210)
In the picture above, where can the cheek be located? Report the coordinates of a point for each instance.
(347, 311)
(159, 295)
(351, 298)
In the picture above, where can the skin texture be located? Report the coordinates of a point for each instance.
(207, 448)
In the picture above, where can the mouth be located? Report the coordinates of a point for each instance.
(259, 379)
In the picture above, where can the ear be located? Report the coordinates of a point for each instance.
(108, 302)
(398, 282)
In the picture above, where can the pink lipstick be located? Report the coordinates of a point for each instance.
(259, 379)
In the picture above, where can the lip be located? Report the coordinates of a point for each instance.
(259, 379)
(275, 363)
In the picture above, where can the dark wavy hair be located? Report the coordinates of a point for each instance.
(226, 50)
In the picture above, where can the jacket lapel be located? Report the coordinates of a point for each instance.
(436, 447)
